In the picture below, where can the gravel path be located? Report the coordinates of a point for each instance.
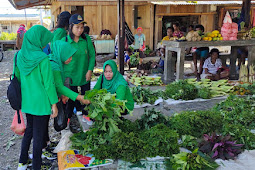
(9, 142)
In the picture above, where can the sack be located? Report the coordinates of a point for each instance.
(60, 122)
(74, 124)
(18, 125)
(14, 91)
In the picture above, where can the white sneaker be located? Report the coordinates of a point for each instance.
(87, 120)
(22, 166)
(78, 113)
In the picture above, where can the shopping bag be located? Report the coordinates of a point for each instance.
(60, 122)
(18, 125)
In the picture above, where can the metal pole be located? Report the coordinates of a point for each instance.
(121, 35)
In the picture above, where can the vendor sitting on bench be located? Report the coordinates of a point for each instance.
(212, 68)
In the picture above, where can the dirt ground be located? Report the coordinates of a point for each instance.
(9, 142)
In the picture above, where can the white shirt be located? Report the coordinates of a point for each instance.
(212, 68)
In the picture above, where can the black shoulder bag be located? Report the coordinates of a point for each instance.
(14, 90)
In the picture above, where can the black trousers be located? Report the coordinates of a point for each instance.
(71, 104)
(36, 129)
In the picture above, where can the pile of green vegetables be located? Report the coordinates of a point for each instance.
(185, 90)
(134, 59)
(145, 95)
(157, 135)
(135, 140)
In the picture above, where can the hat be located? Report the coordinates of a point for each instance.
(139, 28)
(22, 25)
(64, 15)
(76, 19)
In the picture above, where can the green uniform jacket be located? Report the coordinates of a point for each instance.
(38, 89)
(82, 61)
(59, 33)
(122, 93)
(61, 89)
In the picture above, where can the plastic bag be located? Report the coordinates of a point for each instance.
(60, 122)
(74, 124)
(65, 142)
(18, 125)
(227, 18)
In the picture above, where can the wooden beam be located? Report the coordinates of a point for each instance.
(247, 9)
(184, 14)
(121, 34)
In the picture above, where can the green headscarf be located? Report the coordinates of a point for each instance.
(61, 51)
(31, 53)
(117, 79)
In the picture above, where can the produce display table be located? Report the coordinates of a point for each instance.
(180, 48)
(104, 46)
(8, 42)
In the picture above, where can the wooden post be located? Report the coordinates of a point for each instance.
(121, 35)
(247, 9)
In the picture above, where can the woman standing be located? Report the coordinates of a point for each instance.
(20, 35)
(62, 55)
(83, 61)
(114, 82)
(139, 40)
(38, 90)
(62, 26)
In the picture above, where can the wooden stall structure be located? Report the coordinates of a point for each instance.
(180, 48)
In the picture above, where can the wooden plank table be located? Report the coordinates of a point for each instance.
(8, 42)
(180, 47)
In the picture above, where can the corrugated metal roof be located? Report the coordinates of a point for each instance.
(160, 2)
(21, 4)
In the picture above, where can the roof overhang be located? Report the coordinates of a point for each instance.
(22, 4)
(198, 2)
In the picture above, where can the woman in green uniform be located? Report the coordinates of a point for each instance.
(114, 82)
(62, 54)
(62, 26)
(83, 61)
(38, 91)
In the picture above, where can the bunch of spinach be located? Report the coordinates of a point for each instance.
(240, 134)
(144, 95)
(197, 123)
(151, 118)
(190, 161)
(204, 93)
(134, 59)
(128, 146)
(160, 140)
(189, 142)
(181, 90)
(237, 110)
(105, 109)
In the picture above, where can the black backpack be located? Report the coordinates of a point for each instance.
(14, 90)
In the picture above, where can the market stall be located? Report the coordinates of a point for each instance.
(180, 48)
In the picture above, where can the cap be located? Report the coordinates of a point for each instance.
(64, 15)
(76, 19)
